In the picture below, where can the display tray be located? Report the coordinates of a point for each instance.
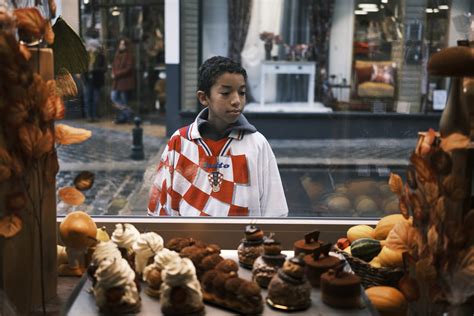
(82, 301)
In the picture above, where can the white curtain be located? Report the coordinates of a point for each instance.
(265, 17)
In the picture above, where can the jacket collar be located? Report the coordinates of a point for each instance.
(235, 130)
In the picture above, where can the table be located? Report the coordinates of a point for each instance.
(288, 67)
(83, 303)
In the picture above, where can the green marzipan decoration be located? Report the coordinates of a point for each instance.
(68, 48)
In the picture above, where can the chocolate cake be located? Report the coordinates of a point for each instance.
(251, 246)
(340, 289)
(318, 263)
(289, 289)
(308, 244)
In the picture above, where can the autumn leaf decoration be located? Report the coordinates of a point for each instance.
(436, 238)
(29, 105)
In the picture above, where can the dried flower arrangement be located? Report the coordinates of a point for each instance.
(29, 105)
(438, 245)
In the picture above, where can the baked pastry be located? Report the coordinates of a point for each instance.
(199, 253)
(179, 243)
(223, 287)
(146, 247)
(125, 236)
(115, 290)
(289, 289)
(340, 289)
(103, 250)
(308, 244)
(267, 265)
(318, 263)
(152, 273)
(251, 246)
(181, 291)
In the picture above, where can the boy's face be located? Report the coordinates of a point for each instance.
(226, 101)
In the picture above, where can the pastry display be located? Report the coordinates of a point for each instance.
(289, 289)
(104, 250)
(267, 265)
(222, 286)
(251, 246)
(152, 273)
(318, 263)
(308, 244)
(340, 289)
(125, 236)
(115, 290)
(145, 248)
(181, 291)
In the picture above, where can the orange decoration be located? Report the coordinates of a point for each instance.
(34, 142)
(10, 226)
(71, 195)
(454, 141)
(66, 135)
(396, 184)
(5, 162)
(48, 33)
(30, 21)
(25, 52)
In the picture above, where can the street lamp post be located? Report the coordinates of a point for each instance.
(137, 147)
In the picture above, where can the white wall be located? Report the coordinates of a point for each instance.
(340, 45)
(215, 28)
(69, 11)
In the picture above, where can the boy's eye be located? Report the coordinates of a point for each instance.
(225, 93)
(242, 92)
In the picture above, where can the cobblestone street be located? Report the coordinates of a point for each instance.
(117, 188)
(121, 184)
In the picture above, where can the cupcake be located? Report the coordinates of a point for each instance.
(125, 236)
(179, 243)
(181, 291)
(146, 247)
(267, 265)
(289, 289)
(152, 273)
(251, 246)
(115, 290)
(103, 250)
(318, 263)
(340, 289)
(308, 244)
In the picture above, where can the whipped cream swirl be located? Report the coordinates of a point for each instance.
(115, 273)
(166, 257)
(105, 250)
(125, 235)
(180, 273)
(147, 245)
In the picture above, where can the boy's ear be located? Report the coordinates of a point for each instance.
(202, 97)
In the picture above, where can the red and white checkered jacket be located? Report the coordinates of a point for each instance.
(243, 180)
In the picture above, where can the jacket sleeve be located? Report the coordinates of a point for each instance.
(158, 196)
(272, 196)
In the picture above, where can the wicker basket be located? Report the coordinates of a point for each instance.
(371, 276)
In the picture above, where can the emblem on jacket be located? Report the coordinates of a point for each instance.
(215, 179)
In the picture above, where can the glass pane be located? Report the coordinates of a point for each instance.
(347, 77)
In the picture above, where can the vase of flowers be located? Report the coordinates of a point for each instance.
(268, 39)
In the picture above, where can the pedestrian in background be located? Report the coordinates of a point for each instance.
(93, 79)
(123, 77)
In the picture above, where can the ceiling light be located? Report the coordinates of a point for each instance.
(360, 12)
(435, 10)
(384, 1)
(443, 7)
(371, 9)
(367, 5)
(429, 10)
(86, 1)
(115, 11)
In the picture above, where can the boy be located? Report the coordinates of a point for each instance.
(219, 165)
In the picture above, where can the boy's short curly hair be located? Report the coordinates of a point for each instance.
(215, 66)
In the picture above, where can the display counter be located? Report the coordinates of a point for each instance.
(82, 301)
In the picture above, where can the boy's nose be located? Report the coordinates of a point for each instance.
(235, 100)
